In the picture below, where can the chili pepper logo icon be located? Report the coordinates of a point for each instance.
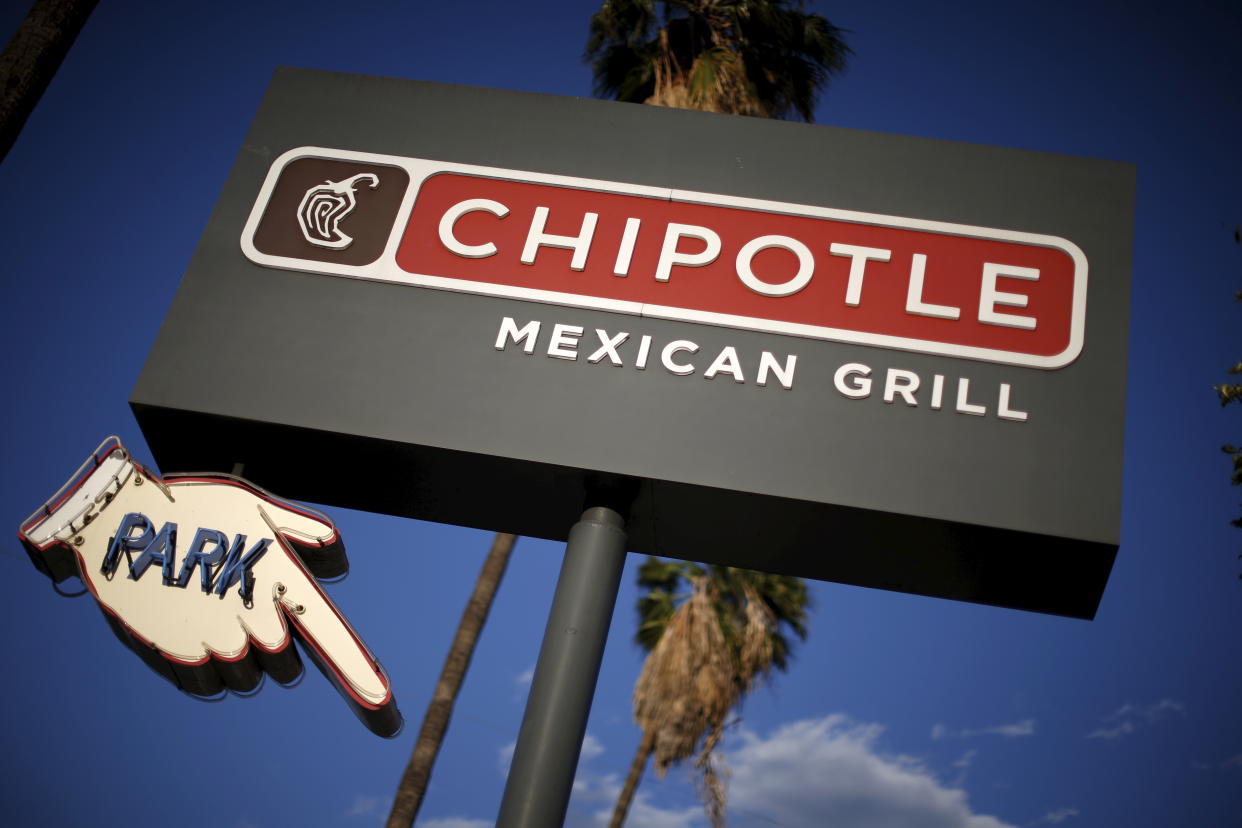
(325, 205)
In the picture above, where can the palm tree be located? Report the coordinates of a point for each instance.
(766, 58)
(417, 774)
(32, 57)
(706, 649)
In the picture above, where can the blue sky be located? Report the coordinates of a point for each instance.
(898, 710)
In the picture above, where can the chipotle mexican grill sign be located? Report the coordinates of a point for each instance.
(837, 354)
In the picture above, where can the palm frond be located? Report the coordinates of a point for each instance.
(685, 689)
(707, 649)
(768, 58)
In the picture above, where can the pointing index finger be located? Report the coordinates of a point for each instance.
(328, 638)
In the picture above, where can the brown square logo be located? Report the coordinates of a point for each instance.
(331, 211)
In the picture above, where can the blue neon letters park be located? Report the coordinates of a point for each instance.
(221, 564)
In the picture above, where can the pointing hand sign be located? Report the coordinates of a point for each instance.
(208, 579)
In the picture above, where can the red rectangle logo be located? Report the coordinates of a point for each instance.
(978, 293)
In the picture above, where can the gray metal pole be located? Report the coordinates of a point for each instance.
(546, 757)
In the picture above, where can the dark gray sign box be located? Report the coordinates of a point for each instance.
(393, 399)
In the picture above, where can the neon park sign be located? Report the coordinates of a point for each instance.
(208, 579)
(933, 287)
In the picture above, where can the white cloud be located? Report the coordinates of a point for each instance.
(504, 757)
(1025, 727)
(645, 815)
(1149, 712)
(456, 822)
(521, 684)
(369, 806)
(828, 771)
(1058, 816)
(591, 748)
(1232, 763)
(1123, 729)
(595, 796)
(1129, 717)
(963, 764)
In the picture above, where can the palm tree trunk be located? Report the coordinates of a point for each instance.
(631, 781)
(436, 720)
(32, 57)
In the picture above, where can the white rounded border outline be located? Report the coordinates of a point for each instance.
(385, 269)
